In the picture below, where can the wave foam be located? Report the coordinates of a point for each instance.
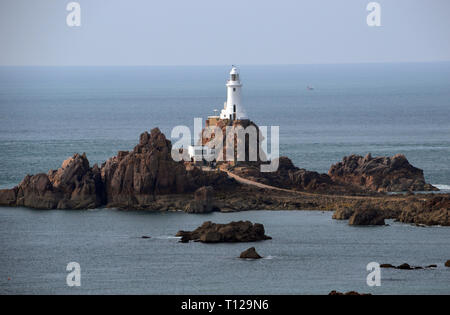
(442, 187)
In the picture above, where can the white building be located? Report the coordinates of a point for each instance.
(233, 108)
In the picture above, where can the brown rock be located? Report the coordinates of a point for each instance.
(433, 211)
(75, 185)
(343, 213)
(134, 179)
(379, 173)
(367, 217)
(242, 231)
(234, 138)
(203, 201)
(387, 266)
(334, 292)
(447, 263)
(405, 266)
(8, 197)
(250, 254)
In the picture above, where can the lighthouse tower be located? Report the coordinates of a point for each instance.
(232, 107)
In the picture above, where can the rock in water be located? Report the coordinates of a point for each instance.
(250, 254)
(73, 186)
(405, 266)
(367, 217)
(128, 180)
(435, 211)
(380, 173)
(387, 266)
(447, 263)
(343, 213)
(242, 231)
(334, 292)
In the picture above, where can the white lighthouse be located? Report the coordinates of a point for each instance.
(233, 109)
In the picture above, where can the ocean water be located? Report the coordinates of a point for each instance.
(309, 254)
(49, 113)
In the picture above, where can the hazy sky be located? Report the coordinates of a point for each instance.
(206, 32)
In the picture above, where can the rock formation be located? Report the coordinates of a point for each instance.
(433, 211)
(291, 177)
(380, 173)
(334, 292)
(128, 180)
(203, 201)
(133, 179)
(242, 231)
(73, 186)
(148, 178)
(235, 128)
(367, 217)
(343, 213)
(406, 266)
(250, 254)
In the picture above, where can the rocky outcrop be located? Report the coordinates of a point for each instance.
(379, 173)
(129, 180)
(242, 133)
(133, 179)
(203, 201)
(250, 254)
(406, 266)
(343, 213)
(433, 211)
(242, 231)
(291, 177)
(73, 186)
(334, 292)
(367, 217)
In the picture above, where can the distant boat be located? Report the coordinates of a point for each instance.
(310, 88)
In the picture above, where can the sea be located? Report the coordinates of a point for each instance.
(49, 113)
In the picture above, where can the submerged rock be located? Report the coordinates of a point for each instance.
(387, 266)
(406, 266)
(241, 231)
(334, 292)
(367, 217)
(250, 254)
(380, 173)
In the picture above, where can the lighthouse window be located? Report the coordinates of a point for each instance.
(234, 108)
(233, 77)
(234, 89)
